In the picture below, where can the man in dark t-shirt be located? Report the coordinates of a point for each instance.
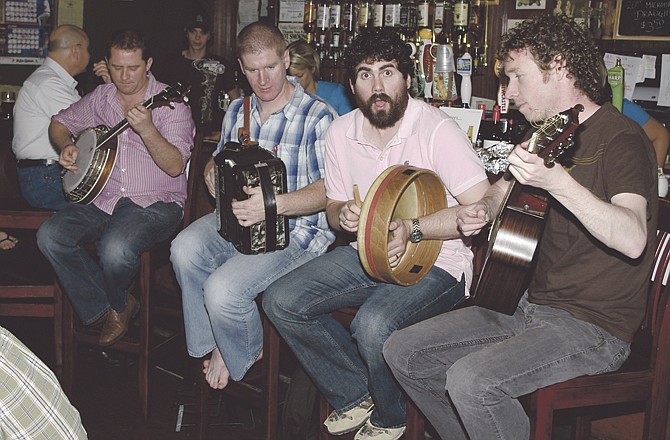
(589, 289)
(211, 77)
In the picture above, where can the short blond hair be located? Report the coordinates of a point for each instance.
(303, 56)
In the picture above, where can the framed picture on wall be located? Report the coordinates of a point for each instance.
(531, 4)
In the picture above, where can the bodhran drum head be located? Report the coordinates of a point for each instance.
(403, 192)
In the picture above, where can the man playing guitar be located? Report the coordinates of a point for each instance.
(142, 202)
(588, 292)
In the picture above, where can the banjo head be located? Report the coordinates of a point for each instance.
(400, 192)
(86, 143)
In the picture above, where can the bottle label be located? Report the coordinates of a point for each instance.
(422, 12)
(378, 16)
(335, 16)
(322, 17)
(363, 15)
(439, 14)
(461, 14)
(392, 15)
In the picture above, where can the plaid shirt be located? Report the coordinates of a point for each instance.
(296, 134)
(32, 403)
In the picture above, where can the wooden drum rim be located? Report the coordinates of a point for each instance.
(404, 185)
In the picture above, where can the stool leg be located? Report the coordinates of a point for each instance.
(202, 399)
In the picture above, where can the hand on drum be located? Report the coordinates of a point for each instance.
(399, 230)
(68, 157)
(349, 215)
(252, 210)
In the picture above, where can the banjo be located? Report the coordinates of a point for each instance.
(97, 151)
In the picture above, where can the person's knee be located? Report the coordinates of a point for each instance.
(281, 302)
(397, 352)
(466, 380)
(371, 328)
(115, 253)
(183, 249)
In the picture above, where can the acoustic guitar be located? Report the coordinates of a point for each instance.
(97, 151)
(518, 225)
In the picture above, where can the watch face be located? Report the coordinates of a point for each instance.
(415, 237)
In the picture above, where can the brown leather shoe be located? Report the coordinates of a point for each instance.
(117, 323)
(98, 323)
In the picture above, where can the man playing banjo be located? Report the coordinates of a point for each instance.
(388, 128)
(142, 202)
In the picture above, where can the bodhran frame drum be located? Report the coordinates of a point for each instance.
(400, 192)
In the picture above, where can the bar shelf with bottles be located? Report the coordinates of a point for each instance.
(331, 25)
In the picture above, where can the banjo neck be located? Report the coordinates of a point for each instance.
(121, 126)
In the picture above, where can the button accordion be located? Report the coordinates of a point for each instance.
(250, 165)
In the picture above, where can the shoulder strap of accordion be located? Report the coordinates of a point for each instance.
(243, 133)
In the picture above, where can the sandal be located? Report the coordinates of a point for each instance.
(8, 243)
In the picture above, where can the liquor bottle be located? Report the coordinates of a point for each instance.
(309, 17)
(448, 21)
(461, 10)
(334, 25)
(378, 14)
(438, 17)
(309, 21)
(408, 19)
(424, 11)
(348, 22)
(364, 15)
(392, 13)
(475, 21)
(322, 23)
(615, 78)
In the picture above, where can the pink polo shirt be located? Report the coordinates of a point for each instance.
(427, 138)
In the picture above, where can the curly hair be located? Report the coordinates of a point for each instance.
(129, 39)
(378, 45)
(550, 38)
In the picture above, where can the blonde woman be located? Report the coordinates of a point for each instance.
(305, 66)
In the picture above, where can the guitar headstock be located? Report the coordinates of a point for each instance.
(173, 93)
(554, 137)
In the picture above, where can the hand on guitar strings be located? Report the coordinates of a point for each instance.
(252, 210)
(530, 169)
(473, 218)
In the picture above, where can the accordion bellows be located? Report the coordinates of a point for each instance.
(240, 165)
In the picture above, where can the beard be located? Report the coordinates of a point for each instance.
(383, 118)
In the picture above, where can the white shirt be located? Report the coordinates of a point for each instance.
(46, 92)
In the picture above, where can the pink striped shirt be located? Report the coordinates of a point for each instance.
(135, 174)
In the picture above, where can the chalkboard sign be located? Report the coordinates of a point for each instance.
(642, 20)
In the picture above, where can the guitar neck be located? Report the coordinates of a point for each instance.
(118, 128)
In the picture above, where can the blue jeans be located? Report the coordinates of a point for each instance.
(219, 286)
(486, 360)
(93, 287)
(349, 367)
(42, 187)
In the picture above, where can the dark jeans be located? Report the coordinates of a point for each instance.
(95, 286)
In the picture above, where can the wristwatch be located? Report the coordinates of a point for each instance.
(416, 234)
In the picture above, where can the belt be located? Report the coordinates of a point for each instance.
(28, 163)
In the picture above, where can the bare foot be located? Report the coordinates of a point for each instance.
(7, 241)
(215, 371)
